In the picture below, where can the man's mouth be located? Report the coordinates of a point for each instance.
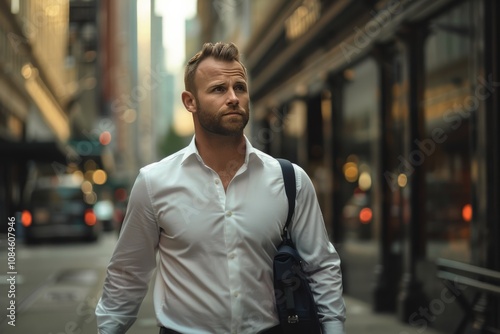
(239, 113)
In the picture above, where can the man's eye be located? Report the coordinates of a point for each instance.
(241, 88)
(219, 89)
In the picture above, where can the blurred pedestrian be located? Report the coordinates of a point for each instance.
(209, 219)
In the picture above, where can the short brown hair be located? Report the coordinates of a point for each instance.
(220, 51)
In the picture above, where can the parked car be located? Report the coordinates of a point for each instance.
(57, 210)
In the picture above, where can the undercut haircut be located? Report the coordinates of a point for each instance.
(219, 51)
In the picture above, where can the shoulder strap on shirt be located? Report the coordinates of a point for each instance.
(290, 190)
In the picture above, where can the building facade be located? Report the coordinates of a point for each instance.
(392, 108)
(51, 118)
(137, 89)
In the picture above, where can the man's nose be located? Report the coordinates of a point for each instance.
(232, 98)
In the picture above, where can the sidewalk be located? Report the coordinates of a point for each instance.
(362, 320)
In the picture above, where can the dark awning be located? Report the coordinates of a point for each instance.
(37, 151)
(50, 152)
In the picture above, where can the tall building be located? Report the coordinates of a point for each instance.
(120, 84)
(163, 90)
(42, 61)
(136, 87)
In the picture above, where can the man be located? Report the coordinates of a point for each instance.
(213, 213)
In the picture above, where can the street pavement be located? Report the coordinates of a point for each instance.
(362, 320)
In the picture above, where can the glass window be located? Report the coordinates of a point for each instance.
(448, 108)
(359, 137)
(295, 125)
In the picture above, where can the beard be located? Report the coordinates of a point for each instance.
(222, 124)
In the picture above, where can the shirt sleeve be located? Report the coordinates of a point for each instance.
(322, 262)
(132, 263)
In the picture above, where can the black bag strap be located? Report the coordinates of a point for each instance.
(290, 190)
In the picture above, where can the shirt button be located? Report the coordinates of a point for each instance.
(236, 294)
(217, 181)
(229, 214)
(232, 256)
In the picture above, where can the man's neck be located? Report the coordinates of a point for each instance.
(225, 155)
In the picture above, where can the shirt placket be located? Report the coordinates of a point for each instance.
(231, 243)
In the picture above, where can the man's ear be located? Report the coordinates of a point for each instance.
(189, 101)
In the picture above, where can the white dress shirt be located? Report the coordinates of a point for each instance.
(215, 248)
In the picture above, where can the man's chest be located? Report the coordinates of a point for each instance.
(247, 210)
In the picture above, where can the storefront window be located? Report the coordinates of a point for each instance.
(295, 125)
(358, 140)
(448, 114)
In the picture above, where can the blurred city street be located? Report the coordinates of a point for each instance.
(58, 285)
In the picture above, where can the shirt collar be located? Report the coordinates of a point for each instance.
(192, 151)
